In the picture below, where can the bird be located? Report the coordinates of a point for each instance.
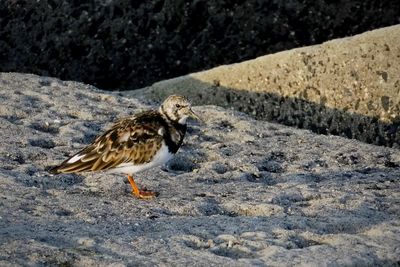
(135, 143)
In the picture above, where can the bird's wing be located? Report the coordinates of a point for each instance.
(132, 140)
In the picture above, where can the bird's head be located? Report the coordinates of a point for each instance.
(177, 109)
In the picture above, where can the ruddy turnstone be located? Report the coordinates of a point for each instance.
(135, 144)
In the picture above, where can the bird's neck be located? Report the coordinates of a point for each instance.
(174, 134)
(165, 115)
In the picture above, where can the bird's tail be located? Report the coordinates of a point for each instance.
(54, 170)
(73, 164)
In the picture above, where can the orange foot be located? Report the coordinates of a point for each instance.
(141, 194)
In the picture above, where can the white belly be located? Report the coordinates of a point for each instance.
(162, 156)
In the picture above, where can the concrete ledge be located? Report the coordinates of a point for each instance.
(348, 87)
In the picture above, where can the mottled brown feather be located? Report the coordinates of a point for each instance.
(131, 140)
(135, 140)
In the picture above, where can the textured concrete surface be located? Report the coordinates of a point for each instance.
(240, 192)
(349, 87)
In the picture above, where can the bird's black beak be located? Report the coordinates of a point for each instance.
(194, 115)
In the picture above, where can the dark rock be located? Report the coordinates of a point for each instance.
(127, 44)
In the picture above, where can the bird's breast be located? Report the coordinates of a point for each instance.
(162, 156)
(174, 137)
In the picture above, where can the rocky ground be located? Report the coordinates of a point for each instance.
(240, 192)
(130, 44)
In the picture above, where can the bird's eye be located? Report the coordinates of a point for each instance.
(178, 106)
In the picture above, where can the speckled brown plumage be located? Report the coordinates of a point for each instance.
(135, 143)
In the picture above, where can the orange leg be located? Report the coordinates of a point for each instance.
(140, 193)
